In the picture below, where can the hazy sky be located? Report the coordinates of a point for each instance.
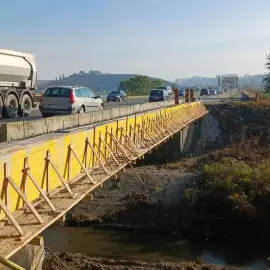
(162, 38)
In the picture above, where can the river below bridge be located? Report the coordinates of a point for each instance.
(146, 246)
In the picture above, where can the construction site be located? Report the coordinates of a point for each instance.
(188, 201)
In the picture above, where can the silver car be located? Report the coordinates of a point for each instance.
(61, 100)
(213, 92)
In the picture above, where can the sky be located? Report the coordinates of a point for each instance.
(167, 39)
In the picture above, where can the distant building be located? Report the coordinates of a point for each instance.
(227, 80)
(177, 81)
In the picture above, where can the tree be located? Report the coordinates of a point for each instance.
(81, 72)
(266, 78)
(95, 71)
(122, 85)
(138, 85)
(156, 83)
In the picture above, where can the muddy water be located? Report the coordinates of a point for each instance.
(135, 245)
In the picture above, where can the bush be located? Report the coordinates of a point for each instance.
(237, 179)
(231, 194)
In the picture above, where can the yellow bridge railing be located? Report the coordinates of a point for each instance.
(41, 181)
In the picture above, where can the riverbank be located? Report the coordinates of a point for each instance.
(81, 261)
(220, 189)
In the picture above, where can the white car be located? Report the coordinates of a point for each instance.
(61, 100)
(167, 88)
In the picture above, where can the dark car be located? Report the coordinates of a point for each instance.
(157, 95)
(205, 92)
(182, 92)
(117, 95)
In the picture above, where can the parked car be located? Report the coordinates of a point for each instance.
(60, 100)
(204, 92)
(166, 88)
(213, 92)
(158, 95)
(182, 92)
(117, 95)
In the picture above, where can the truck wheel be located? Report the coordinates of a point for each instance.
(26, 106)
(11, 107)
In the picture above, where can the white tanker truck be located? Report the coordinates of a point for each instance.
(18, 80)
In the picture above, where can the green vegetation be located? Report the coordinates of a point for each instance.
(231, 197)
(239, 182)
(139, 85)
(266, 78)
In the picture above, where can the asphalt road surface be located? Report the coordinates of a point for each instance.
(206, 99)
(224, 97)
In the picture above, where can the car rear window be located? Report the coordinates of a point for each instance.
(156, 93)
(115, 93)
(57, 92)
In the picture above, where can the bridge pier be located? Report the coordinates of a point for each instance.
(176, 146)
(30, 256)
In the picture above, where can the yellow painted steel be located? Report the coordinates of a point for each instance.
(59, 152)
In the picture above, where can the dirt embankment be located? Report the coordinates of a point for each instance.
(81, 261)
(127, 203)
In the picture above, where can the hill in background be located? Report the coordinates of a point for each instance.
(99, 82)
(104, 82)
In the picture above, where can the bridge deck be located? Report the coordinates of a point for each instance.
(110, 150)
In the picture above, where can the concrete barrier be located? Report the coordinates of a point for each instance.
(37, 97)
(21, 130)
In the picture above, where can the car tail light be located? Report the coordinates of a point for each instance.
(41, 97)
(72, 97)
